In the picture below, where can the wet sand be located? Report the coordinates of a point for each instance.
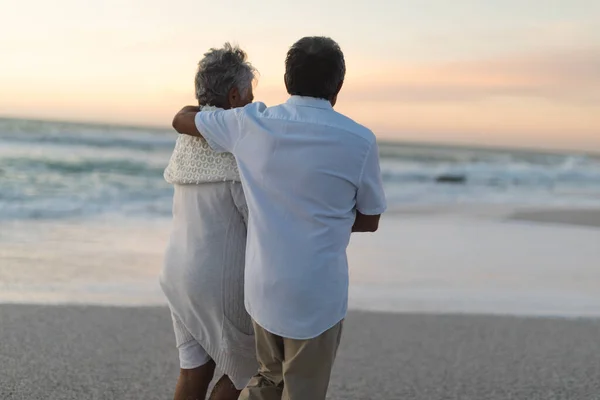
(579, 217)
(429, 267)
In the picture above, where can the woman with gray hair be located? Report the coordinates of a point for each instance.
(203, 274)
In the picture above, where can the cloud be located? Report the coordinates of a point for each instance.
(566, 76)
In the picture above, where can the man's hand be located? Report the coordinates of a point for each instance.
(185, 121)
(365, 223)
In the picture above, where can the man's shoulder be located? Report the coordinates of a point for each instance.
(329, 118)
(349, 125)
(257, 107)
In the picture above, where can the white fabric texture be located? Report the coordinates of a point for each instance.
(194, 162)
(203, 272)
(305, 169)
(191, 353)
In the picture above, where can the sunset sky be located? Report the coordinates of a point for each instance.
(493, 72)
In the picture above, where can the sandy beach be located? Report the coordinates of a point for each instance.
(102, 353)
(447, 303)
(478, 120)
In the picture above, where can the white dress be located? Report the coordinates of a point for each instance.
(203, 273)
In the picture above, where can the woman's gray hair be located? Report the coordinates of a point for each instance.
(221, 70)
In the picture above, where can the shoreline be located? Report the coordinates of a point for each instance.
(455, 260)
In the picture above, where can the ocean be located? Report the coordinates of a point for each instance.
(55, 170)
(85, 218)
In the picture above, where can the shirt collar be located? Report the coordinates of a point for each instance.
(309, 102)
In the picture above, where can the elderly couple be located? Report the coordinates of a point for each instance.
(265, 200)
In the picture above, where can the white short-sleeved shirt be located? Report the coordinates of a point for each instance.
(305, 170)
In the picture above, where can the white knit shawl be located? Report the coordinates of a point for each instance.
(194, 162)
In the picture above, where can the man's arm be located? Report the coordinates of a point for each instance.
(221, 128)
(185, 121)
(365, 223)
(370, 197)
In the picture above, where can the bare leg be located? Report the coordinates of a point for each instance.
(193, 383)
(224, 390)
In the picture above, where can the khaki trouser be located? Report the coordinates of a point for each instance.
(291, 369)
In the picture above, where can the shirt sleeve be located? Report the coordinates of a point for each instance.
(222, 129)
(370, 197)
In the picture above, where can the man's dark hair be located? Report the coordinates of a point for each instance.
(314, 67)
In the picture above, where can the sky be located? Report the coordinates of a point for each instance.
(490, 72)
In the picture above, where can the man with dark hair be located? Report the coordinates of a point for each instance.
(315, 67)
(311, 177)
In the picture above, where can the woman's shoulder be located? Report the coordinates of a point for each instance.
(194, 161)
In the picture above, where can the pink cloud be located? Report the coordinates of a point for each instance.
(568, 76)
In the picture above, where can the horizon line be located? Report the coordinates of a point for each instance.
(398, 142)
